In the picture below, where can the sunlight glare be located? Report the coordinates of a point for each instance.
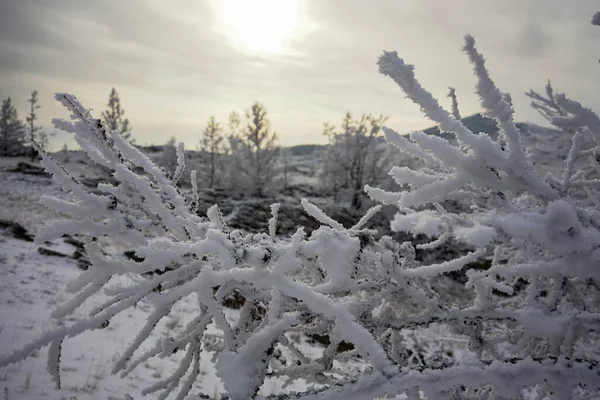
(261, 25)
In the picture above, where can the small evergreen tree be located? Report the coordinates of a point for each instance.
(12, 130)
(212, 147)
(113, 117)
(31, 118)
(65, 151)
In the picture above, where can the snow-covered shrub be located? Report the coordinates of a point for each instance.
(531, 323)
(574, 140)
(168, 158)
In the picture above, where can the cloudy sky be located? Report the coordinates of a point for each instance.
(175, 63)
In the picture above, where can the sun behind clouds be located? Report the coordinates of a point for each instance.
(261, 26)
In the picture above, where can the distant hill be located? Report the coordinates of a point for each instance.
(304, 149)
(477, 123)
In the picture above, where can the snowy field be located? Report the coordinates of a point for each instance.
(33, 284)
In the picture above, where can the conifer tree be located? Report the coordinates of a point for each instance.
(36, 133)
(259, 150)
(114, 116)
(212, 147)
(65, 151)
(12, 130)
(31, 118)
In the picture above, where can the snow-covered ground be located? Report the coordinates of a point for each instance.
(32, 285)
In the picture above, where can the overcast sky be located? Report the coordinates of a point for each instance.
(175, 63)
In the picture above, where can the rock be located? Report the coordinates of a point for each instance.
(74, 242)
(79, 255)
(26, 168)
(130, 254)
(49, 252)
(82, 260)
(16, 230)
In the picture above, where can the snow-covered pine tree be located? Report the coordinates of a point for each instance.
(114, 116)
(212, 147)
(525, 323)
(585, 156)
(12, 130)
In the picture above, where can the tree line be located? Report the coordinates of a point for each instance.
(15, 134)
(242, 155)
(245, 155)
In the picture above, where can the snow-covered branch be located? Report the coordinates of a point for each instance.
(391, 320)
